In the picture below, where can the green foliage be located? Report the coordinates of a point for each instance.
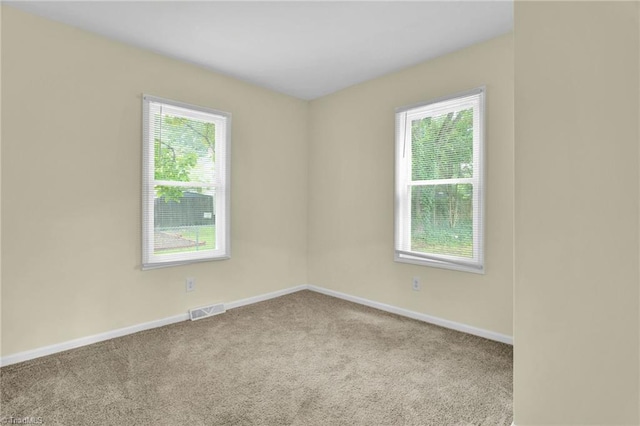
(442, 219)
(179, 143)
(197, 136)
(170, 165)
(442, 146)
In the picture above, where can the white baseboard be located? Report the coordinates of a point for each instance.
(416, 315)
(263, 297)
(84, 341)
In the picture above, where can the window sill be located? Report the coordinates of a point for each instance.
(149, 266)
(452, 265)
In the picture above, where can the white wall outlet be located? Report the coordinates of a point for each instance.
(190, 284)
(416, 284)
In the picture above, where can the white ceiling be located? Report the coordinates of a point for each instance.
(304, 49)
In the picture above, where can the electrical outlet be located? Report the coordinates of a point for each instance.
(416, 284)
(190, 284)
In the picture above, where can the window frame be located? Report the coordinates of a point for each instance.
(221, 184)
(404, 183)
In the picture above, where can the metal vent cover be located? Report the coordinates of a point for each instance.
(206, 311)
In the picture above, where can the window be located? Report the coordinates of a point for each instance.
(185, 183)
(439, 183)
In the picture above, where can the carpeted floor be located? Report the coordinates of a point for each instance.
(301, 359)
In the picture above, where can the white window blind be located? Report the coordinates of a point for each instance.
(439, 210)
(185, 182)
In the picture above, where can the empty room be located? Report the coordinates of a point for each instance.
(320, 213)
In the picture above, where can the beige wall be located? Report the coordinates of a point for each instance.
(71, 134)
(576, 213)
(351, 163)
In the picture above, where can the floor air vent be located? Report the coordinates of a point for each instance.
(206, 311)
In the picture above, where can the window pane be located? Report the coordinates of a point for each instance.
(183, 149)
(184, 220)
(442, 146)
(442, 219)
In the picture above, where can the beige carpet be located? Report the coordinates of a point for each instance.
(302, 359)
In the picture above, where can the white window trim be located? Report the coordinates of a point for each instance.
(404, 116)
(222, 185)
